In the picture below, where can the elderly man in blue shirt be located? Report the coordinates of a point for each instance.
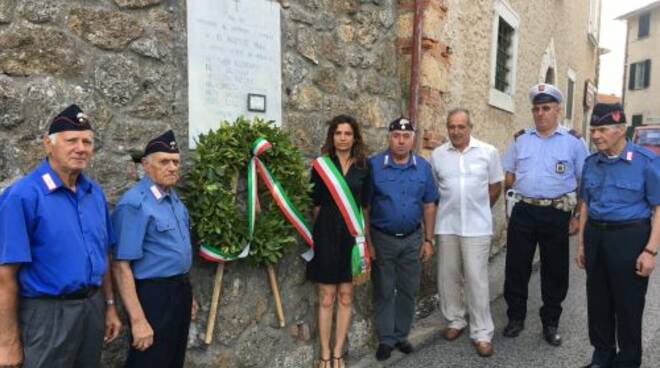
(618, 241)
(152, 258)
(542, 169)
(402, 217)
(55, 235)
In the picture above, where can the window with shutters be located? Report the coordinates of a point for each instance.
(644, 25)
(640, 75)
(504, 54)
(503, 59)
(570, 95)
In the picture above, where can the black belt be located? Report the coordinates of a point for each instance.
(165, 280)
(398, 235)
(610, 225)
(84, 293)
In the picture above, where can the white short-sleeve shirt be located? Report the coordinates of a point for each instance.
(463, 179)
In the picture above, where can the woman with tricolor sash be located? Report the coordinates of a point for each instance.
(341, 194)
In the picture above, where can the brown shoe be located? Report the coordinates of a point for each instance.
(484, 348)
(451, 334)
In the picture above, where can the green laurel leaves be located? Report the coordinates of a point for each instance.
(218, 213)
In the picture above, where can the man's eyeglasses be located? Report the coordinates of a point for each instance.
(537, 109)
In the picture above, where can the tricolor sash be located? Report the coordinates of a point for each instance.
(349, 209)
(255, 166)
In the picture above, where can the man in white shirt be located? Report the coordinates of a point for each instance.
(469, 177)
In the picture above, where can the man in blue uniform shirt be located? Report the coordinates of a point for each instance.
(152, 258)
(618, 241)
(542, 168)
(55, 234)
(404, 198)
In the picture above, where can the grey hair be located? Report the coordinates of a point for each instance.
(53, 138)
(453, 112)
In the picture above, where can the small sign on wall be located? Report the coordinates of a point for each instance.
(234, 62)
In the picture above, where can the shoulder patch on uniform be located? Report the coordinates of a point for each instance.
(575, 133)
(646, 152)
(132, 198)
(518, 134)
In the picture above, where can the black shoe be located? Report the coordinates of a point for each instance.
(514, 328)
(383, 352)
(551, 335)
(405, 347)
(592, 365)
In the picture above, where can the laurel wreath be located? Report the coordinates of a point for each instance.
(218, 208)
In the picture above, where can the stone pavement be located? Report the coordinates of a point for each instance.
(529, 349)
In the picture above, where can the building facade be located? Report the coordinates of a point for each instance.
(641, 87)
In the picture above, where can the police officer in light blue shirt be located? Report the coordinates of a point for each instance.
(618, 241)
(542, 168)
(404, 198)
(152, 258)
(55, 235)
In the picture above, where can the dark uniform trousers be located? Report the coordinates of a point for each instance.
(615, 293)
(167, 305)
(548, 227)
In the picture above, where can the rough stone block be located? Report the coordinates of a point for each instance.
(6, 11)
(106, 29)
(40, 11)
(31, 50)
(305, 97)
(150, 47)
(151, 105)
(434, 73)
(117, 78)
(11, 111)
(134, 4)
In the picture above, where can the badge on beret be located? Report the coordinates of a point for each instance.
(560, 167)
(402, 124)
(70, 119)
(165, 142)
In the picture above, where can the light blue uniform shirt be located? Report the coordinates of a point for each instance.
(400, 192)
(545, 167)
(61, 238)
(621, 189)
(152, 230)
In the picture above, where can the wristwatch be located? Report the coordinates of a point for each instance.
(429, 241)
(651, 252)
(109, 302)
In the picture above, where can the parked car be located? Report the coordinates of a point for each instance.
(648, 136)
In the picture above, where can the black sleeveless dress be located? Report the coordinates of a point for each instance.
(333, 243)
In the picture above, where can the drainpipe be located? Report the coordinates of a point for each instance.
(416, 53)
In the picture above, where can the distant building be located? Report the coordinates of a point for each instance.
(641, 88)
(608, 99)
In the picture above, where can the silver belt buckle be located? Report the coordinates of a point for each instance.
(399, 235)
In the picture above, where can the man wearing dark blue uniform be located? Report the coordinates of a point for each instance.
(55, 235)
(404, 198)
(152, 259)
(542, 168)
(618, 241)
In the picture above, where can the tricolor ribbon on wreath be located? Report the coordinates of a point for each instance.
(350, 211)
(256, 166)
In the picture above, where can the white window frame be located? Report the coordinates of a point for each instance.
(571, 76)
(504, 100)
(593, 22)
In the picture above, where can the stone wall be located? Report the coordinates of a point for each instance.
(124, 63)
